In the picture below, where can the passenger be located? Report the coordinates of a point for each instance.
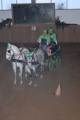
(53, 41)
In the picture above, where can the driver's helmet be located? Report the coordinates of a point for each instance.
(50, 30)
(44, 31)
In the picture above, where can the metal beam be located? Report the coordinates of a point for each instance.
(1, 5)
(33, 1)
(66, 4)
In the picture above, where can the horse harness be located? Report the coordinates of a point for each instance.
(31, 57)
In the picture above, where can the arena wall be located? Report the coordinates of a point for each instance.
(26, 34)
(30, 33)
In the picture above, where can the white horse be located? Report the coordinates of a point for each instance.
(17, 56)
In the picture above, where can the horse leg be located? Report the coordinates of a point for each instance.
(35, 82)
(15, 70)
(28, 71)
(20, 74)
(30, 79)
(37, 70)
(41, 74)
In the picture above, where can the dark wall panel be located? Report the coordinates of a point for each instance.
(18, 34)
(41, 13)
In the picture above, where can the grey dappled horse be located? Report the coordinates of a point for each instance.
(34, 60)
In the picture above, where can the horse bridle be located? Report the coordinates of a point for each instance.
(9, 51)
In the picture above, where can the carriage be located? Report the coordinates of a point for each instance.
(53, 59)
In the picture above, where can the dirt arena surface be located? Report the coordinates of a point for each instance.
(24, 102)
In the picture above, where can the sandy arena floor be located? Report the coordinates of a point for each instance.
(24, 102)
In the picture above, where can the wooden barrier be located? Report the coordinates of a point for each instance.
(30, 33)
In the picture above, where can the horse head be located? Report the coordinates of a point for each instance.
(9, 52)
(12, 51)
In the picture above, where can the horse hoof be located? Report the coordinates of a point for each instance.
(41, 77)
(35, 84)
(25, 75)
(14, 82)
(21, 82)
(36, 74)
(30, 83)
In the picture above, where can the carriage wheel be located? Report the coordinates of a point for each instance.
(57, 61)
(50, 64)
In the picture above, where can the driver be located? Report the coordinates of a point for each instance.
(43, 40)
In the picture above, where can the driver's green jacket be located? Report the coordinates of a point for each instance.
(53, 36)
(44, 37)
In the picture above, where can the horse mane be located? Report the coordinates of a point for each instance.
(15, 49)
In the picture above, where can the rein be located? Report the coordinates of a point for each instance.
(13, 59)
(17, 54)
